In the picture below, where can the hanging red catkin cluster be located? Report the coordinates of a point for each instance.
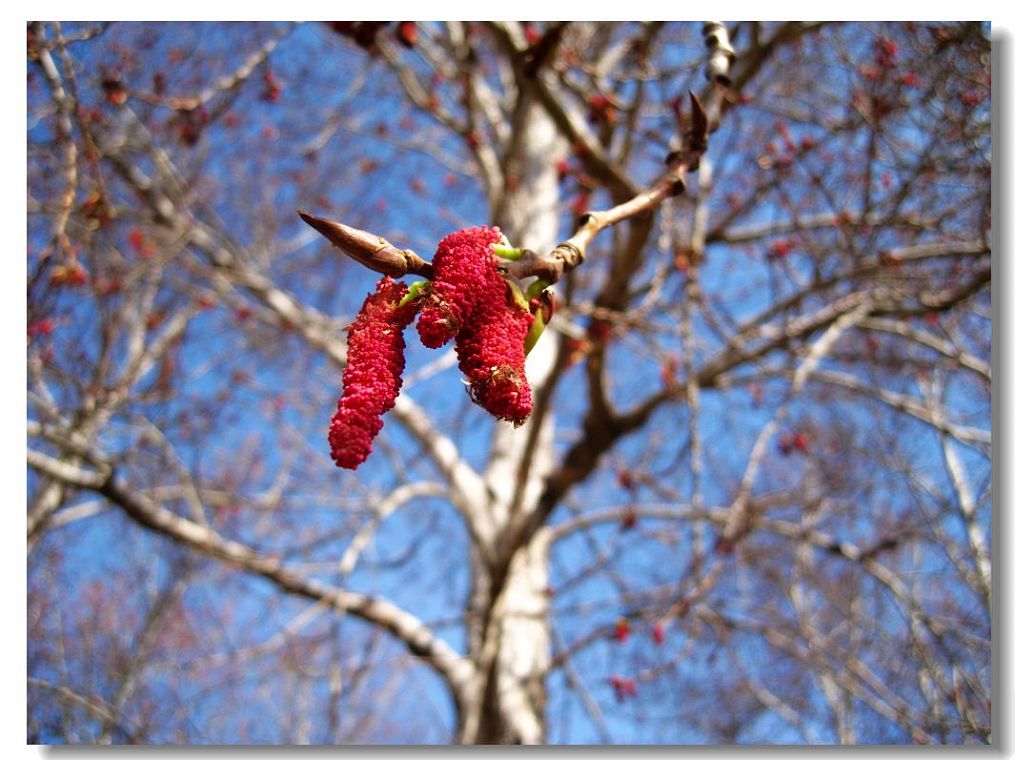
(468, 300)
(373, 374)
(491, 354)
(472, 302)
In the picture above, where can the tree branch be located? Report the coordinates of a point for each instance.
(95, 705)
(315, 328)
(411, 631)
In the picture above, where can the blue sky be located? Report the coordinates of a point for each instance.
(244, 170)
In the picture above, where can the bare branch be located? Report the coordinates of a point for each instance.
(419, 639)
(234, 79)
(95, 705)
(979, 439)
(70, 474)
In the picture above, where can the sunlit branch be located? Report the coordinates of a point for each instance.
(67, 472)
(381, 512)
(690, 304)
(316, 328)
(977, 438)
(739, 510)
(417, 637)
(94, 705)
(771, 701)
(229, 82)
(923, 337)
(65, 108)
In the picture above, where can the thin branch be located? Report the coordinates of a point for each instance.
(571, 252)
(95, 705)
(941, 346)
(315, 328)
(376, 253)
(739, 511)
(975, 437)
(234, 79)
(400, 496)
(570, 124)
(65, 107)
(416, 636)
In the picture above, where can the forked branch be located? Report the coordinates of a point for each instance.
(376, 253)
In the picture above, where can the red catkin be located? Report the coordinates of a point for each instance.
(491, 354)
(464, 271)
(623, 687)
(622, 630)
(658, 634)
(373, 373)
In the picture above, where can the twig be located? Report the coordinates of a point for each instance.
(97, 706)
(378, 254)
(419, 639)
(65, 107)
(232, 80)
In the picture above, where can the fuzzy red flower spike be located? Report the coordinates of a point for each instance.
(465, 269)
(373, 375)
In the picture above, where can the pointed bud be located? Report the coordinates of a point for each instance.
(535, 330)
(699, 124)
(372, 251)
(541, 306)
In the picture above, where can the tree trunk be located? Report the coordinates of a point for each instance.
(509, 635)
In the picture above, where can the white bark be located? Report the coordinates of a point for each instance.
(524, 655)
(513, 649)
